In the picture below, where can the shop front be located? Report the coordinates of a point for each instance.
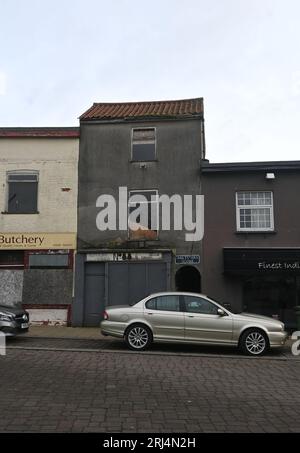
(270, 280)
(36, 270)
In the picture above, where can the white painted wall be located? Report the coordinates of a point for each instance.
(48, 317)
(56, 160)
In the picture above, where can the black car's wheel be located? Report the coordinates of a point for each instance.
(138, 337)
(254, 342)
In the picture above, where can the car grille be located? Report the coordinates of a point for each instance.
(20, 318)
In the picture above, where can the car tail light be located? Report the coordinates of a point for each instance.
(105, 315)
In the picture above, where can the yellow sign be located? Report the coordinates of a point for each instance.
(29, 241)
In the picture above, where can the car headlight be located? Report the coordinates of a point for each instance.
(4, 317)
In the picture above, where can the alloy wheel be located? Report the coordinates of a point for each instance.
(138, 337)
(255, 343)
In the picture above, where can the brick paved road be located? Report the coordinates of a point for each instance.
(66, 391)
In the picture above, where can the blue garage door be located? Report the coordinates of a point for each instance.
(115, 283)
(94, 294)
(130, 282)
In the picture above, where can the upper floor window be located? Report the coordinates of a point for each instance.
(22, 192)
(143, 144)
(254, 211)
(143, 214)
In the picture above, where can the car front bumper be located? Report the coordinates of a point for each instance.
(11, 329)
(278, 339)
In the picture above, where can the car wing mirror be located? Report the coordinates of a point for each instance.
(221, 312)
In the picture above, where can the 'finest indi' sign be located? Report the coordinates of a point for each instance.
(279, 265)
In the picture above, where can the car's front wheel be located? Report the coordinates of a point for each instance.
(138, 337)
(254, 342)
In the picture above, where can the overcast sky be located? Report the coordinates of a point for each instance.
(243, 57)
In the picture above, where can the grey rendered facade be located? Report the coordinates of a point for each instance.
(111, 267)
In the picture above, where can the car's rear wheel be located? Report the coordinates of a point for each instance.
(254, 342)
(138, 337)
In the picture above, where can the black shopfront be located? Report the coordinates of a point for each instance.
(270, 279)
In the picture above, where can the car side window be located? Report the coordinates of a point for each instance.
(199, 305)
(151, 304)
(164, 303)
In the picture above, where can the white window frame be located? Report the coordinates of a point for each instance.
(239, 207)
(138, 191)
(155, 141)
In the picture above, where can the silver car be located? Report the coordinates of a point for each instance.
(175, 317)
(13, 320)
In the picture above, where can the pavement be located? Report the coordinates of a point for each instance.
(88, 333)
(84, 333)
(90, 338)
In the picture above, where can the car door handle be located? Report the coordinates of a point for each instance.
(191, 316)
(149, 313)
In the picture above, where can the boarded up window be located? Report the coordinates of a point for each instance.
(43, 260)
(11, 258)
(143, 144)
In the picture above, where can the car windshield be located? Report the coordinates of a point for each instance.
(4, 305)
(227, 306)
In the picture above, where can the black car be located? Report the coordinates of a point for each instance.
(13, 320)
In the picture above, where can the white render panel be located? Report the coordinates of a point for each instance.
(48, 316)
(122, 256)
(56, 160)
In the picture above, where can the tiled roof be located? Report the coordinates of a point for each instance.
(157, 109)
(39, 132)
